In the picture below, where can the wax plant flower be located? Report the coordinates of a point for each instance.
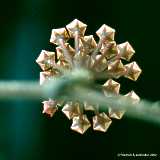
(102, 58)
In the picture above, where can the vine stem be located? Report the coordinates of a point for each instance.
(78, 85)
(12, 90)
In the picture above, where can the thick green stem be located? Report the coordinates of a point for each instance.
(78, 85)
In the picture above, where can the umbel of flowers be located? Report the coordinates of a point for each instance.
(101, 58)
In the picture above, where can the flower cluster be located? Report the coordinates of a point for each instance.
(102, 58)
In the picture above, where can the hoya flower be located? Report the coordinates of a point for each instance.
(104, 57)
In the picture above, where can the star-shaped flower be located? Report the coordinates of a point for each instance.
(76, 26)
(111, 87)
(101, 122)
(126, 51)
(132, 71)
(116, 68)
(50, 107)
(71, 109)
(58, 34)
(46, 60)
(80, 124)
(135, 98)
(87, 44)
(106, 32)
(109, 49)
(114, 113)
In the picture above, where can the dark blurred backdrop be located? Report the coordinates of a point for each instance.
(25, 28)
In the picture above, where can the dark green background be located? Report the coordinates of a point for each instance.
(25, 27)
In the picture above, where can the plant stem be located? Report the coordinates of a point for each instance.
(77, 85)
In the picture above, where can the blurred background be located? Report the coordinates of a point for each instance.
(25, 28)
